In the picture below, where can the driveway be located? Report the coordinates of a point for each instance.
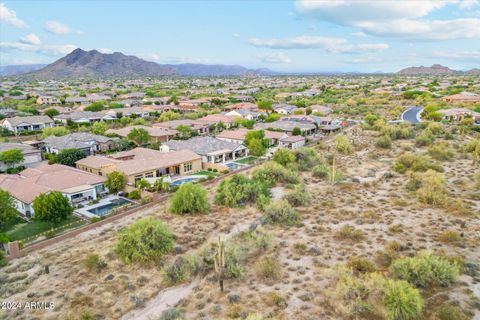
(412, 115)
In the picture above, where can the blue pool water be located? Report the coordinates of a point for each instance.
(183, 180)
(233, 165)
(103, 210)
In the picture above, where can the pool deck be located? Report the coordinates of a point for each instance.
(104, 201)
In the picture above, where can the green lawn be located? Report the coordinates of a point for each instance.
(20, 229)
(206, 173)
(247, 160)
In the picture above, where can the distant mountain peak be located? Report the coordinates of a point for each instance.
(434, 69)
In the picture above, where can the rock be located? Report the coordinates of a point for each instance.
(178, 250)
(233, 298)
(314, 251)
(109, 277)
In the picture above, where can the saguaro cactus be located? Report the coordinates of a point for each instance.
(219, 261)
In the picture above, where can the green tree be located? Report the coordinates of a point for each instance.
(144, 241)
(55, 131)
(68, 157)
(184, 131)
(139, 135)
(122, 144)
(370, 119)
(99, 127)
(168, 116)
(115, 181)
(264, 105)
(256, 147)
(296, 131)
(53, 207)
(284, 156)
(11, 157)
(189, 199)
(51, 112)
(95, 106)
(7, 208)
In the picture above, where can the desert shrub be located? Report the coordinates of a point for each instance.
(93, 263)
(321, 170)
(171, 314)
(360, 265)
(471, 145)
(415, 181)
(134, 194)
(433, 190)
(189, 199)
(144, 241)
(349, 233)
(3, 260)
(176, 271)
(235, 257)
(299, 196)
(402, 301)
(399, 131)
(434, 128)
(269, 268)
(413, 162)
(441, 152)
(423, 140)
(261, 239)
(383, 142)
(342, 144)
(238, 190)
(283, 156)
(426, 269)
(477, 180)
(271, 173)
(306, 158)
(451, 237)
(451, 312)
(280, 212)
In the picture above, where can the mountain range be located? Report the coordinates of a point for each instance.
(94, 64)
(436, 69)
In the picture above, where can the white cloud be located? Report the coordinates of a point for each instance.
(31, 39)
(359, 34)
(276, 57)
(58, 28)
(405, 20)
(10, 17)
(316, 42)
(52, 50)
(464, 55)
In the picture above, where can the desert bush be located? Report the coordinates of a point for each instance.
(3, 260)
(144, 241)
(176, 272)
(426, 269)
(235, 257)
(269, 268)
(418, 163)
(260, 238)
(402, 301)
(441, 152)
(281, 212)
(238, 190)
(93, 263)
(189, 199)
(451, 312)
(399, 131)
(271, 173)
(283, 156)
(383, 142)
(433, 190)
(451, 237)
(171, 314)
(320, 170)
(306, 158)
(134, 194)
(471, 145)
(477, 180)
(423, 140)
(349, 233)
(299, 196)
(342, 144)
(360, 265)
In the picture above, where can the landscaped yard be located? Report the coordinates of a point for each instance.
(247, 160)
(207, 173)
(20, 229)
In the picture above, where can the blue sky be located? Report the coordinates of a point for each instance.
(303, 35)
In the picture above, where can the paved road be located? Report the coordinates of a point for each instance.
(412, 115)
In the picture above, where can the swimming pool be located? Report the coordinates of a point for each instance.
(181, 181)
(234, 165)
(105, 209)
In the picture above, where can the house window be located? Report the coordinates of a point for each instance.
(187, 167)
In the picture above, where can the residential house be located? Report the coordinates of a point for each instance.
(29, 123)
(138, 112)
(213, 150)
(7, 112)
(244, 113)
(243, 105)
(324, 110)
(97, 97)
(287, 127)
(74, 184)
(48, 100)
(284, 108)
(157, 134)
(141, 163)
(31, 155)
(462, 97)
(292, 142)
(458, 114)
(87, 142)
(215, 119)
(238, 136)
(76, 100)
(83, 117)
(199, 127)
